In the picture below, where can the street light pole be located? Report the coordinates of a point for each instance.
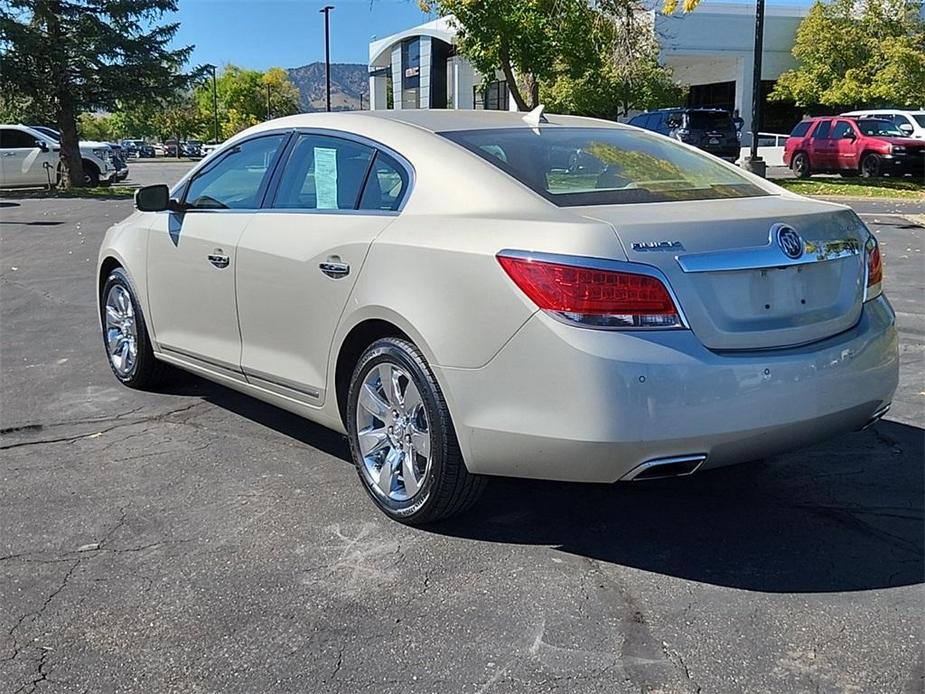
(268, 101)
(753, 162)
(326, 10)
(214, 105)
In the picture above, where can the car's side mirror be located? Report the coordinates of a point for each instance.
(674, 122)
(906, 128)
(849, 136)
(154, 198)
(42, 145)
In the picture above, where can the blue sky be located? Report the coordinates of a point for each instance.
(262, 33)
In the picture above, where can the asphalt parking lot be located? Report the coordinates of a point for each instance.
(195, 540)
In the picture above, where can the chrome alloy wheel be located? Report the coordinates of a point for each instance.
(393, 433)
(121, 330)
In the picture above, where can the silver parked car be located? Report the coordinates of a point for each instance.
(446, 290)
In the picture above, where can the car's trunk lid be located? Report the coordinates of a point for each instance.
(737, 286)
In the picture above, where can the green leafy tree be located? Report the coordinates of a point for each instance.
(181, 118)
(94, 127)
(242, 97)
(532, 39)
(86, 56)
(627, 75)
(568, 44)
(858, 52)
(284, 95)
(134, 121)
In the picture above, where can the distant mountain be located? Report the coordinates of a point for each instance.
(348, 82)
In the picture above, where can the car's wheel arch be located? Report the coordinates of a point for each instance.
(358, 334)
(89, 163)
(113, 261)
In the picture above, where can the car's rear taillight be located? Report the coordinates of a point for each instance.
(874, 269)
(592, 296)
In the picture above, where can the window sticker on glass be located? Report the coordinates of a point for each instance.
(326, 178)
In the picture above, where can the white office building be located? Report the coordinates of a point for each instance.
(710, 50)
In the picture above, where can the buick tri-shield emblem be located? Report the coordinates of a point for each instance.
(789, 241)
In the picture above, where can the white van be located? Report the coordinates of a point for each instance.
(911, 123)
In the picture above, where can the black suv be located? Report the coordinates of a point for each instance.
(711, 129)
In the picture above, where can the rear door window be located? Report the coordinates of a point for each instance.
(841, 129)
(822, 130)
(323, 173)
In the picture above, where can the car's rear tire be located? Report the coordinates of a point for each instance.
(125, 335)
(800, 165)
(870, 165)
(402, 438)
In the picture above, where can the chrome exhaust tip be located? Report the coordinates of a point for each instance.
(877, 416)
(660, 468)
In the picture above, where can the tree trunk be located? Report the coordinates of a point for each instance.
(72, 170)
(508, 70)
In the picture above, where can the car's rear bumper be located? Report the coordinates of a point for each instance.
(567, 403)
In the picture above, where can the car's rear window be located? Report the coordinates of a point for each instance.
(604, 166)
(709, 120)
(800, 129)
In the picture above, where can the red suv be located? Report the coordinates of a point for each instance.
(851, 147)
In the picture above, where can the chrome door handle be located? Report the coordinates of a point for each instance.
(219, 260)
(335, 269)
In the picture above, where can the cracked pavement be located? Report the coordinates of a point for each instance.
(194, 540)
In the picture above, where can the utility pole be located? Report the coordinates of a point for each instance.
(361, 101)
(753, 162)
(268, 101)
(214, 104)
(326, 10)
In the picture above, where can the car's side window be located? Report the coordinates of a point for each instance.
(234, 181)
(387, 183)
(822, 130)
(11, 138)
(800, 129)
(323, 173)
(842, 128)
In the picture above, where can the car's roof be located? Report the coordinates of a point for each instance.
(436, 120)
(881, 110)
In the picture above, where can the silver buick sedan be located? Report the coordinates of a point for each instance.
(467, 294)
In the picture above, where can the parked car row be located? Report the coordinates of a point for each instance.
(855, 145)
(138, 148)
(30, 156)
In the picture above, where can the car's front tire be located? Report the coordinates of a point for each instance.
(125, 335)
(870, 165)
(402, 438)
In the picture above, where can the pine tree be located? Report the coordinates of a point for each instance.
(87, 55)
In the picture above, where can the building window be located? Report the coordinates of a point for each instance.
(411, 73)
(495, 97)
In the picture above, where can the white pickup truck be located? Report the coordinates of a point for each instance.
(25, 151)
